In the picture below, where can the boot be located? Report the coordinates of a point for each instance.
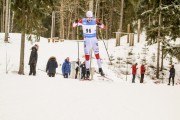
(101, 72)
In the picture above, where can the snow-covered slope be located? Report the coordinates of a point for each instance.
(24, 97)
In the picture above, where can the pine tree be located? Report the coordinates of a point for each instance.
(28, 16)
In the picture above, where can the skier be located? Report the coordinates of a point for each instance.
(171, 75)
(66, 68)
(51, 66)
(90, 41)
(33, 60)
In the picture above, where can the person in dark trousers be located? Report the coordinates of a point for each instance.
(171, 75)
(134, 70)
(33, 60)
(51, 66)
(142, 71)
(83, 70)
(66, 68)
(77, 68)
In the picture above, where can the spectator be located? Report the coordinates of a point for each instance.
(66, 68)
(33, 60)
(134, 70)
(83, 70)
(142, 71)
(51, 66)
(77, 68)
(171, 75)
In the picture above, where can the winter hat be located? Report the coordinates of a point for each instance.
(67, 58)
(36, 46)
(89, 14)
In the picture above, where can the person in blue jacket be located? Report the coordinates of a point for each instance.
(66, 68)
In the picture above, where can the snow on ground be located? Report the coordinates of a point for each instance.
(24, 97)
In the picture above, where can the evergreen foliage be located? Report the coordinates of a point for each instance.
(34, 12)
(170, 22)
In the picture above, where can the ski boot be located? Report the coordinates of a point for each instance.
(101, 72)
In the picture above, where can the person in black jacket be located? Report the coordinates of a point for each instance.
(51, 66)
(33, 60)
(171, 75)
(77, 67)
(83, 70)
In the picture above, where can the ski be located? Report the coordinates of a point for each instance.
(105, 78)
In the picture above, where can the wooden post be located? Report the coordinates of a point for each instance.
(139, 29)
(128, 31)
(92, 72)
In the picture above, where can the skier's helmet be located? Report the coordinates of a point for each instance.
(89, 14)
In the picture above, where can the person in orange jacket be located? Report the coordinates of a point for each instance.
(134, 71)
(142, 71)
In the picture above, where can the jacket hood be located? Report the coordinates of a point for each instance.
(52, 58)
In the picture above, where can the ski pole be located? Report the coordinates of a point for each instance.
(105, 48)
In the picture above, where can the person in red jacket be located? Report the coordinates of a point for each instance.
(134, 70)
(142, 71)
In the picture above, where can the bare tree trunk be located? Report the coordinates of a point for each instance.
(74, 31)
(3, 17)
(128, 31)
(158, 43)
(6, 21)
(23, 32)
(9, 16)
(96, 9)
(162, 58)
(21, 65)
(53, 25)
(12, 22)
(62, 20)
(120, 25)
(69, 24)
(1, 20)
(91, 2)
(110, 20)
(139, 30)
(149, 20)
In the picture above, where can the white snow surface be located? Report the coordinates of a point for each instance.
(24, 97)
